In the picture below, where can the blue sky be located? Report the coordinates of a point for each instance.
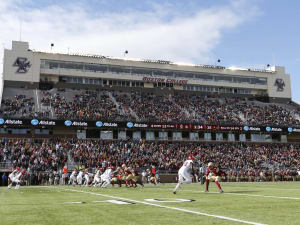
(245, 33)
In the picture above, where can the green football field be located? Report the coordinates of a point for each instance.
(242, 203)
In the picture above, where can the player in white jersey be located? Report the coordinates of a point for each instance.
(97, 178)
(86, 178)
(106, 177)
(73, 178)
(79, 177)
(16, 179)
(11, 177)
(184, 174)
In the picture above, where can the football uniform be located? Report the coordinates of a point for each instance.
(213, 174)
(12, 175)
(97, 177)
(106, 177)
(184, 173)
(73, 178)
(86, 179)
(79, 178)
(15, 177)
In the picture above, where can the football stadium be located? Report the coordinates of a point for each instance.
(91, 139)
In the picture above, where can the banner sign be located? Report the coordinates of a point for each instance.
(139, 125)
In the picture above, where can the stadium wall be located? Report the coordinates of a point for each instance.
(277, 86)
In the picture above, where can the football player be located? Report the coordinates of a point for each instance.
(79, 177)
(11, 177)
(73, 178)
(17, 179)
(213, 174)
(97, 177)
(106, 177)
(151, 178)
(185, 173)
(86, 178)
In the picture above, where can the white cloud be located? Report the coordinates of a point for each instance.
(145, 34)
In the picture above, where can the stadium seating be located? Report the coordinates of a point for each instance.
(145, 107)
(242, 162)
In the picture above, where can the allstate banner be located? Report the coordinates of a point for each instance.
(11, 122)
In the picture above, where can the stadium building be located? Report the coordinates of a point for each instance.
(41, 81)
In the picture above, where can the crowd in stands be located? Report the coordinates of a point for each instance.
(144, 107)
(271, 114)
(85, 105)
(210, 110)
(150, 107)
(19, 106)
(36, 156)
(238, 160)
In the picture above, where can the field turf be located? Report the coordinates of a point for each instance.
(242, 203)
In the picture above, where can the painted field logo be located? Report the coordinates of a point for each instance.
(22, 64)
(34, 122)
(99, 124)
(68, 123)
(129, 124)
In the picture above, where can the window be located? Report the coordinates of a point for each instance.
(141, 71)
(95, 68)
(72, 66)
(118, 69)
(223, 78)
(53, 65)
(204, 76)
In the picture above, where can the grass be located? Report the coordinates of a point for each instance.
(264, 203)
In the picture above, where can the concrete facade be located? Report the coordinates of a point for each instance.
(277, 85)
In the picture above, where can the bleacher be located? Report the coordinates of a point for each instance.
(145, 107)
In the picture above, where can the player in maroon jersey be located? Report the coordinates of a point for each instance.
(213, 174)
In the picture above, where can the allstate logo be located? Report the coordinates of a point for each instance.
(1, 121)
(34, 122)
(99, 124)
(68, 123)
(268, 129)
(290, 129)
(246, 128)
(129, 124)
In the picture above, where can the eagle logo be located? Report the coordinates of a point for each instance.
(23, 65)
(279, 83)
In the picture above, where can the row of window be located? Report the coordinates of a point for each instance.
(217, 89)
(82, 80)
(102, 68)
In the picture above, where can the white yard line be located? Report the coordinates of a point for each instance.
(264, 196)
(166, 207)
